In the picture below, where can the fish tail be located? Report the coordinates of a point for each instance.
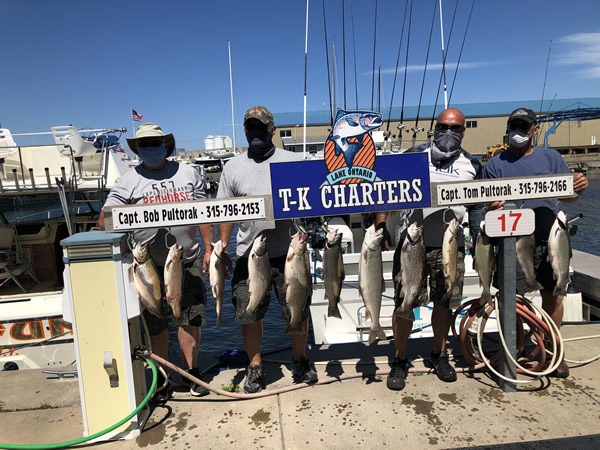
(334, 311)
(294, 328)
(376, 333)
(218, 321)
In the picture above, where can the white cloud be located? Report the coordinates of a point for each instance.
(437, 66)
(581, 49)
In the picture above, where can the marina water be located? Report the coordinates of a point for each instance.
(228, 336)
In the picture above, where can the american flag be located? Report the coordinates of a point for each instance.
(136, 116)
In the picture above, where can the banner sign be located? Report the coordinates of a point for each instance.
(311, 188)
(196, 212)
(495, 189)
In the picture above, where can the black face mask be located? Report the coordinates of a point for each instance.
(260, 144)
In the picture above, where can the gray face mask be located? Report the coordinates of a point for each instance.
(447, 141)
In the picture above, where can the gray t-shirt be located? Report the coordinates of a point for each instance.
(242, 177)
(173, 183)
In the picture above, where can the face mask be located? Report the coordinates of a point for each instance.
(447, 141)
(260, 144)
(152, 156)
(518, 139)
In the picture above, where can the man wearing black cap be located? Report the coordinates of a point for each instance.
(521, 160)
(249, 174)
(158, 180)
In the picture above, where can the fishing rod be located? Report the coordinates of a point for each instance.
(545, 77)
(354, 51)
(374, 41)
(327, 57)
(461, 51)
(305, 71)
(401, 125)
(379, 91)
(344, 47)
(416, 128)
(443, 74)
(396, 72)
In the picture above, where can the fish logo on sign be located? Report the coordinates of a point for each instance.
(349, 149)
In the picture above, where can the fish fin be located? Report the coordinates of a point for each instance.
(296, 329)
(334, 311)
(352, 123)
(350, 152)
(343, 275)
(376, 333)
(367, 315)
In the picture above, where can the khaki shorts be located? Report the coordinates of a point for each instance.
(437, 283)
(193, 304)
(240, 298)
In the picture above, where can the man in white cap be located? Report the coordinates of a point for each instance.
(158, 180)
(249, 174)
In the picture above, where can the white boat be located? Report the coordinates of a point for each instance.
(47, 192)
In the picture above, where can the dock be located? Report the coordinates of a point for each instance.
(39, 408)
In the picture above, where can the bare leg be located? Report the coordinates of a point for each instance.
(252, 334)
(553, 305)
(402, 328)
(160, 345)
(299, 342)
(189, 342)
(441, 319)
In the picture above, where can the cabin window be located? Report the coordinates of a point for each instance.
(312, 148)
(285, 133)
(471, 124)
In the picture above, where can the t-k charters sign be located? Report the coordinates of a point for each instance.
(350, 178)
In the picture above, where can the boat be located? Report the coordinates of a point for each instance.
(47, 192)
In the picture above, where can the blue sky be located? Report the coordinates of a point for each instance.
(89, 63)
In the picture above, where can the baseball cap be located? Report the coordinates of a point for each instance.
(524, 114)
(260, 113)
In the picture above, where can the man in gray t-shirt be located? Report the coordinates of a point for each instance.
(158, 180)
(249, 174)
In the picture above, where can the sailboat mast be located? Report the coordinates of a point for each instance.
(231, 90)
(305, 69)
(344, 46)
(443, 57)
(333, 77)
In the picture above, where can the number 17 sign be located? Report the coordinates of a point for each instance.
(509, 222)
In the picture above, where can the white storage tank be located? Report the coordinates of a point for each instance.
(218, 142)
(228, 142)
(209, 143)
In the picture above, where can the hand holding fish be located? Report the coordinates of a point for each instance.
(380, 222)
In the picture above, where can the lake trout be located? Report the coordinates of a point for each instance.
(525, 249)
(370, 279)
(485, 264)
(259, 276)
(174, 279)
(413, 262)
(216, 274)
(333, 272)
(146, 280)
(450, 256)
(297, 281)
(559, 252)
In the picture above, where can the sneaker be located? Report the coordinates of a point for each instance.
(302, 372)
(163, 392)
(442, 367)
(195, 389)
(396, 379)
(254, 379)
(562, 371)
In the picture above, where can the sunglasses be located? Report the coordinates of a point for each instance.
(445, 127)
(520, 126)
(255, 125)
(150, 143)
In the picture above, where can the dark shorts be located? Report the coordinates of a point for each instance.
(542, 267)
(193, 305)
(437, 284)
(239, 288)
